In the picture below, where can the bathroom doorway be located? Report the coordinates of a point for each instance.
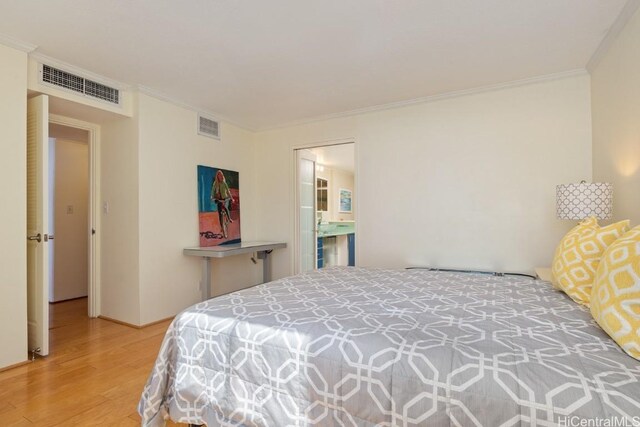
(325, 209)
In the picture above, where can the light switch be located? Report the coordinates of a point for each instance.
(69, 209)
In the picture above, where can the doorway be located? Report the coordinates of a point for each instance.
(68, 212)
(325, 213)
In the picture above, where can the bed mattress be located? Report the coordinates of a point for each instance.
(363, 347)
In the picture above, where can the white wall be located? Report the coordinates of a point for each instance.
(13, 264)
(463, 182)
(71, 214)
(120, 289)
(169, 153)
(149, 182)
(615, 102)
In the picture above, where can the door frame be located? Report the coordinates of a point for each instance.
(298, 258)
(93, 259)
(295, 253)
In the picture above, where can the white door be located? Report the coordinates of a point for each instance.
(306, 221)
(37, 224)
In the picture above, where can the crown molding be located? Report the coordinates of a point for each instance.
(17, 44)
(39, 57)
(73, 69)
(434, 98)
(175, 101)
(616, 28)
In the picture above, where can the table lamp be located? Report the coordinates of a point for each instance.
(583, 200)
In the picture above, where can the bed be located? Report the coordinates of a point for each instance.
(362, 347)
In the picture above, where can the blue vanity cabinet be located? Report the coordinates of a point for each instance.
(351, 243)
(320, 252)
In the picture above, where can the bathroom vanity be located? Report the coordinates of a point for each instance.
(336, 243)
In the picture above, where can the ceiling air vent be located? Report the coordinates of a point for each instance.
(208, 127)
(79, 84)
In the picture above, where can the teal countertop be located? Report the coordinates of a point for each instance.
(338, 228)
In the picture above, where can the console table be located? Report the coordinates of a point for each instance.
(262, 248)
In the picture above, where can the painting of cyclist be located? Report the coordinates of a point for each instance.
(221, 195)
(218, 206)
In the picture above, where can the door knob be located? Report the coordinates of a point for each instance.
(37, 237)
(48, 237)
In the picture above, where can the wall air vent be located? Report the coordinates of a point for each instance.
(79, 84)
(208, 127)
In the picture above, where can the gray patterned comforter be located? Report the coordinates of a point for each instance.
(363, 347)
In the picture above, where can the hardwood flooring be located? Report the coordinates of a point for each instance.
(94, 374)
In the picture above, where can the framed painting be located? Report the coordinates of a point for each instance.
(344, 201)
(218, 206)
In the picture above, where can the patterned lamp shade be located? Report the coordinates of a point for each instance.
(580, 201)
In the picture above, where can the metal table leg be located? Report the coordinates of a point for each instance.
(205, 283)
(266, 265)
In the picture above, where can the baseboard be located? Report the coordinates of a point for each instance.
(15, 365)
(131, 325)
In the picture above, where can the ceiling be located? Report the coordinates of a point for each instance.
(263, 63)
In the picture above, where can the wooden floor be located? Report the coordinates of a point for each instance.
(94, 374)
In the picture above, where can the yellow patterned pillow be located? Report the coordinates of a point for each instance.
(615, 301)
(569, 241)
(578, 255)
